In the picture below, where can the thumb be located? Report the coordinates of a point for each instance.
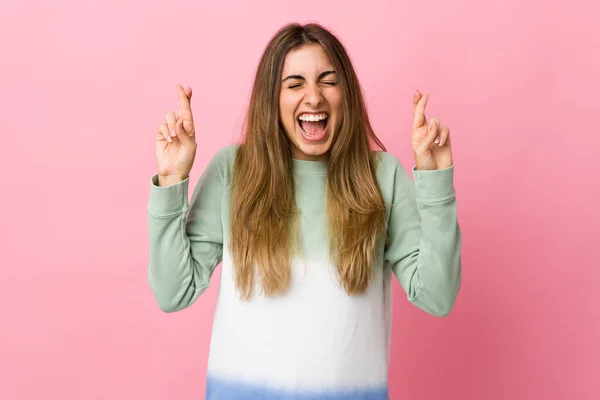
(430, 134)
(186, 140)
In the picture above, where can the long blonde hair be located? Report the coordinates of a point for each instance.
(264, 225)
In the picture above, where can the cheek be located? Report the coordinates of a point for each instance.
(334, 99)
(339, 112)
(287, 107)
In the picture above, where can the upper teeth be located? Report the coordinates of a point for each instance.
(312, 117)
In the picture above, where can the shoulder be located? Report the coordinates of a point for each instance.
(223, 159)
(388, 164)
(221, 164)
(225, 155)
(392, 176)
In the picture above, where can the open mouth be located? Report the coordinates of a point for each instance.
(313, 126)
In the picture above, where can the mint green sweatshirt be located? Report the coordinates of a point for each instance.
(274, 347)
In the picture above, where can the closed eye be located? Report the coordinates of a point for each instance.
(326, 83)
(322, 75)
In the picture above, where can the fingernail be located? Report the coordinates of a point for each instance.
(437, 140)
(173, 132)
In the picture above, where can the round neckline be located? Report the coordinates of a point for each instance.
(309, 167)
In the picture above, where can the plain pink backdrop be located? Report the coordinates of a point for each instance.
(84, 85)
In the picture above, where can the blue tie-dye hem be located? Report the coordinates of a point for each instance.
(219, 389)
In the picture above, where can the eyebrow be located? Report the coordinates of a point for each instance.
(300, 77)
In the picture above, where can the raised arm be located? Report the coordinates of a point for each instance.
(186, 242)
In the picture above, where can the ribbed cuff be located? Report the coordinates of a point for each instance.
(168, 200)
(434, 185)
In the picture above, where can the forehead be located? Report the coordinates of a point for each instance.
(308, 60)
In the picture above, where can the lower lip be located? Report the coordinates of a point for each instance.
(313, 138)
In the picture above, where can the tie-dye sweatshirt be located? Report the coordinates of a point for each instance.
(315, 342)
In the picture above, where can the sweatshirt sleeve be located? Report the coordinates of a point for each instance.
(186, 240)
(425, 238)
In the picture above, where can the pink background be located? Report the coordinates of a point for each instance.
(84, 85)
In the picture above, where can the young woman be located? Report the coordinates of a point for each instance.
(310, 224)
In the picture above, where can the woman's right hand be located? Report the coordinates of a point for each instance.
(176, 142)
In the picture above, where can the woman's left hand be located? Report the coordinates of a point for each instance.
(430, 141)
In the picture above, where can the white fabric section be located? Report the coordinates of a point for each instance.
(314, 337)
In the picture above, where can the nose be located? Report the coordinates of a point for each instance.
(313, 97)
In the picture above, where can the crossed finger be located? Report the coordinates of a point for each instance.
(185, 108)
(419, 104)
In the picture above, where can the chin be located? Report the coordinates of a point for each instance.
(312, 152)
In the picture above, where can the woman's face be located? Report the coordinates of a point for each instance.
(310, 103)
